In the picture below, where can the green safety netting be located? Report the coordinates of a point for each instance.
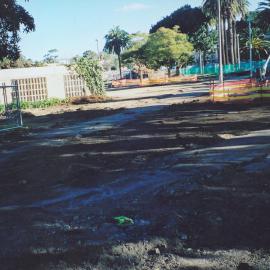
(214, 68)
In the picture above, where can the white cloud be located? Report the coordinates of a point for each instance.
(133, 7)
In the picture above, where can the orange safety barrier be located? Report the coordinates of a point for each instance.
(152, 81)
(243, 90)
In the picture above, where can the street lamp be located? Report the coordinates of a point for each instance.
(221, 79)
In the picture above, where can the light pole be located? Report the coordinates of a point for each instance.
(250, 47)
(221, 79)
(239, 55)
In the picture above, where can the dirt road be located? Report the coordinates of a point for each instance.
(192, 175)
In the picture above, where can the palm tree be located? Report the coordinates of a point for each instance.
(117, 40)
(263, 18)
(230, 10)
(260, 45)
(264, 5)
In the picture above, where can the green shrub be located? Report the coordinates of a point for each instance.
(2, 108)
(91, 71)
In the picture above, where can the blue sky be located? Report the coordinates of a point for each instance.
(72, 26)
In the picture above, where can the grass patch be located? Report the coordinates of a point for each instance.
(54, 102)
(43, 103)
(35, 104)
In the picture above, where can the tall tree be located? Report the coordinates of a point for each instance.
(13, 18)
(116, 41)
(230, 11)
(187, 18)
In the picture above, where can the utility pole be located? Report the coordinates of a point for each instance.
(239, 55)
(250, 47)
(221, 79)
(99, 56)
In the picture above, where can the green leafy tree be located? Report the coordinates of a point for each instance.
(109, 61)
(21, 62)
(134, 56)
(168, 48)
(51, 56)
(204, 42)
(13, 19)
(205, 39)
(90, 54)
(91, 71)
(116, 41)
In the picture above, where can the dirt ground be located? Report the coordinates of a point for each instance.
(192, 175)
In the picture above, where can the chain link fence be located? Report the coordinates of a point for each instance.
(10, 111)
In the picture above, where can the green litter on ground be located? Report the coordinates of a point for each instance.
(123, 221)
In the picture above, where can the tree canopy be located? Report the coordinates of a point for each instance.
(204, 39)
(13, 18)
(134, 55)
(167, 47)
(263, 18)
(21, 62)
(187, 18)
(91, 54)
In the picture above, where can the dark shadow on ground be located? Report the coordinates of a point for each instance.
(210, 208)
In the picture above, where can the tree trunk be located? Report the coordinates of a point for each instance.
(169, 72)
(141, 75)
(222, 41)
(204, 60)
(226, 45)
(177, 70)
(236, 56)
(201, 64)
(120, 66)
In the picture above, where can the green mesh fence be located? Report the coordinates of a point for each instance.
(213, 69)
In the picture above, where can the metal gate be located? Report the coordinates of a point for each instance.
(10, 111)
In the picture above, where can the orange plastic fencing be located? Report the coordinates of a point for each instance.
(243, 90)
(152, 81)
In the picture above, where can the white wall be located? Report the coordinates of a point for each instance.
(54, 74)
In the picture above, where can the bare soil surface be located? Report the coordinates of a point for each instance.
(193, 176)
